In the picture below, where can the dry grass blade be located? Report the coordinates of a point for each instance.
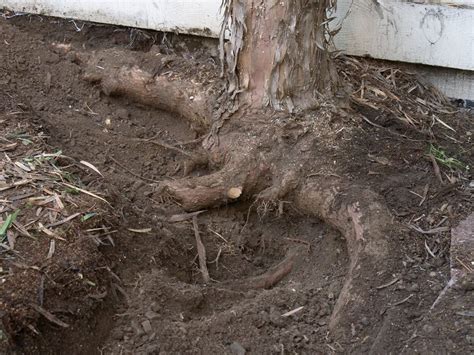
(49, 233)
(65, 220)
(8, 147)
(52, 248)
(85, 192)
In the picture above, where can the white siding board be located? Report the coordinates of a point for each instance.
(184, 16)
(436, 35)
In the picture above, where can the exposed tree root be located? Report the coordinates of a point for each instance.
(254, 162)
(119, 74)
(370, 232)
(272, 277)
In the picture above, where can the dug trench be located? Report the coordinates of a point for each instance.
(275, 273)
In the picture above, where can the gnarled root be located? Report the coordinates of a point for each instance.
(370, 232)
(249, 163)
(233, 181)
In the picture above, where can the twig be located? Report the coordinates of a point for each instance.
(131, 172)
(184, 216)
(425, 194)
(201, 252)
(370, 122)
(402, 301)
(467, 267)
(388, 284)
(218, 234)
(301, 241)
(49, 316)
(429, 250)
(430, 231)
(216, 260)
(165, 145)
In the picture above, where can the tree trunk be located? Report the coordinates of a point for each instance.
(277, 54)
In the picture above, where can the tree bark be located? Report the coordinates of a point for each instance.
(277, 53)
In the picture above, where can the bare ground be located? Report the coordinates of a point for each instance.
(156, 301)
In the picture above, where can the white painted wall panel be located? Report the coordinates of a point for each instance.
(438, 35)
(185, 16)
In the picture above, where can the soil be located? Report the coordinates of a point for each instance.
(156, 300)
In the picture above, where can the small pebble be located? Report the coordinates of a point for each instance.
(237, 349)
(428, 328)
(151, 315)
(147, 326)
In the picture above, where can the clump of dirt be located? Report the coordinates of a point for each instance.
(156, 299)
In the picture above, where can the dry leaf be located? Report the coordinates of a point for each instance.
(90, 166)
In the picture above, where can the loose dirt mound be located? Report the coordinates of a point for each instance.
(156, 300)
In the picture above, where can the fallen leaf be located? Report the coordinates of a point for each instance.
(89, 165)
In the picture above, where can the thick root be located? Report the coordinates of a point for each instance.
(273, 276)
(231, 183)
(371, 234)
(119, 74)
